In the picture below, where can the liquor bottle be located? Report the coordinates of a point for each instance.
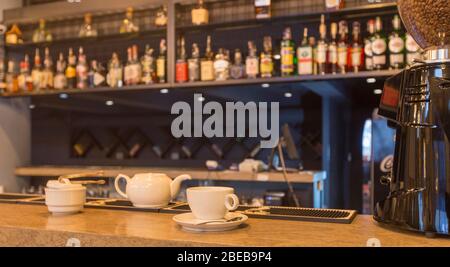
(333, 50)
(181, 72)
(82, 70)
(127, 70)
(194, 64)
(379, 46)
(36, 72)
(128, 24)
(368, 55)
(161, 62)
(71, 73)
(60, 78)
(332, 5)
(14, 35)
(207, 64)
(396, 45)
(12, 82)
(263, 9)
(252, 62)
(161, 17)
(47, 72)
(115, 72)
(343, 49)
(266, 58)
(24, 80)
(305, 56)
(287, 54)
(413, 50)
(199, 14)
(87, 30)
(356, 50)
(221, 66)
(322, 48)
(96, 78)
(136, 66)
(41, 34)
(312, 43)
(148, 66)
(237, 70)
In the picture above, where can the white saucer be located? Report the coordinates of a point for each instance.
(189, 223)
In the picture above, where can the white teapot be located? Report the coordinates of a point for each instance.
(150, 190)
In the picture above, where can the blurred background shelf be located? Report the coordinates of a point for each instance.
(196, 173)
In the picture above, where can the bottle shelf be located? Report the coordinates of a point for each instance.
(264, 82)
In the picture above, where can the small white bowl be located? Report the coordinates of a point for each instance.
(63, 198)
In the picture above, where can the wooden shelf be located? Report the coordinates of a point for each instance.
(307, 177)
(209, 84)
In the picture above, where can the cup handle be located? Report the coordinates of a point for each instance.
(231, 202)
(116, 184)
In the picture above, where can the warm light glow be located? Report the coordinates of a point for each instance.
(109, 103)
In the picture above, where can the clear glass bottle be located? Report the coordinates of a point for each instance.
(82, 70)
(24, 80)
(322, 48)
(237, 70)
(368, 55)
(379, 46)
(252, 62)
(312, 43)
(161, 62)
(396, 45)
(36, 72)
(343, 47)
(60, 78)
(287, 54)
(181, 67)
(128, 24)
(128, 68)
(194, 64)
(114, 77)
(148, 66)
(266, 58)
(12, 82)
(41, 34)
(305, 56)
(413, 50)
(161, 17)
(356, 50)
(333, 50)
(207, 64)
(200, 14)
(87, 30)
(221, 66)
(96, 77)
(47, 73)
(136, 66)
(71, 72)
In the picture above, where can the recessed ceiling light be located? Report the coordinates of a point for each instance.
(378, 91)
(63, 96)
(109, 103)
(265, 85)
(164, 91)
(287, 94)
(371, 80)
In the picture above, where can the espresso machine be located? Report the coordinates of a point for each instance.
(416, 103)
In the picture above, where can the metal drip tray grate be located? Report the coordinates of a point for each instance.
(304, 214)
(186, 208)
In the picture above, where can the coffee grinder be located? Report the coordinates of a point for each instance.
(416, 103)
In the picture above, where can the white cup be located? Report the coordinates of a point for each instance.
(211, 202)
(64, 198)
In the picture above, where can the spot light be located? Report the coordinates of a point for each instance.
(288, 94)
(164, 91)
(109, 103)
(201, 98)
(371, 80)
(63, 96)
(378, 91)
(265, 85)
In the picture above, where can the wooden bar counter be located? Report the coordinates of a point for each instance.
(32, 225)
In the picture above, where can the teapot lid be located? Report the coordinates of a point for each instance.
(65, 184)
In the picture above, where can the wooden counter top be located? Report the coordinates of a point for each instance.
(32, 225)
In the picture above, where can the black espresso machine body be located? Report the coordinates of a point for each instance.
(417, 104)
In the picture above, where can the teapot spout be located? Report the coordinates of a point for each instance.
(175, 184)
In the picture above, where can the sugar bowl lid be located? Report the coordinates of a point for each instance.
(63, 184)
